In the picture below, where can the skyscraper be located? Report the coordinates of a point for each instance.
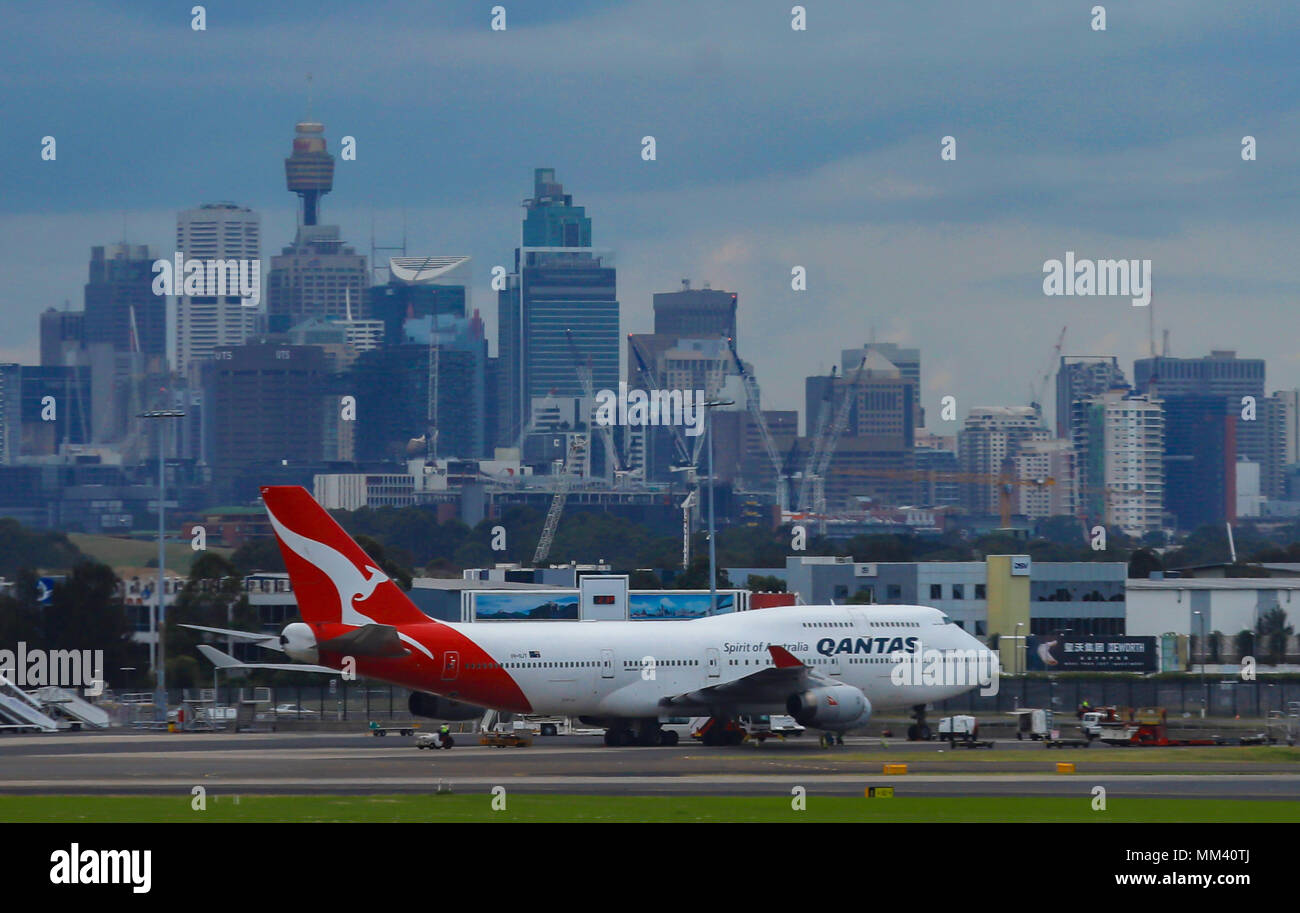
(1289, 404)
(1121, 444)
(695, 313)
(986, 444)
(213, 231)
(874, 453)
(552, 219)
(1200, 460)
(559, 285)
(125, 337)
(1240, 382)
(1052, 460)
(11, 415)
(264, 404)
(394, 384)
(420, 287)
(1080, 377)
(62, 337)
(56, 404)
(1221, 373)
(908, 362)
(318, 275)
(121, 308)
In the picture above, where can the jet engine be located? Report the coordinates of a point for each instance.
(299, 643)
(830, 707)
(432, 706)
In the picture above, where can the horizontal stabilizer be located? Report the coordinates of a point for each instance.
(270, 641)
(226, 661)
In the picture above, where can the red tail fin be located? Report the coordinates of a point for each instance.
(333, 579)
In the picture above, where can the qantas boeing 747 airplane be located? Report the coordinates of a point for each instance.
(830, 667)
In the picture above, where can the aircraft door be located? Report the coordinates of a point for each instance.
(711, 661)
(450, 665)
(606, 663)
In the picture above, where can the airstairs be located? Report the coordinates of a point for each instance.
(70, 704)
(19, 710)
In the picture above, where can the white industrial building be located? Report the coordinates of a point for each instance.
(1200, 606)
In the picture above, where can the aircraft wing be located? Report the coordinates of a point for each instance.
(367, 640)
(772, 684)
(270, 641)
(226, 661)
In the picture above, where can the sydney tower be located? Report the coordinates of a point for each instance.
(309, 172)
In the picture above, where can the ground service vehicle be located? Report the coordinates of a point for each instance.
(769, 726)
(506, 739)
(434, 740)
(1033, 724)
(963, 727)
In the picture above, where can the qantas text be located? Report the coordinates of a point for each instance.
(828, 645)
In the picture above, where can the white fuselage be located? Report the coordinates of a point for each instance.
(628, 669)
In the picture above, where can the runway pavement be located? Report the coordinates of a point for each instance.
(358, 764)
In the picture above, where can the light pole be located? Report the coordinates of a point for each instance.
(713, 553)
(1205, 701)
(1196, 614)
(159, 664)
(1020, 649)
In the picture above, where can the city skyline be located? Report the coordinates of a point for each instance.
(739, 193)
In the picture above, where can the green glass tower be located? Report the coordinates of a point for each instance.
(552, 219)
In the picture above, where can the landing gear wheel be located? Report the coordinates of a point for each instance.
(914, 733)
(611, 738)
(650, 738)
(923, 732)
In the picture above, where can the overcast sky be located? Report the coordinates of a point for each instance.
(775, 147)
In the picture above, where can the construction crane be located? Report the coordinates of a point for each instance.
(1039, 391)
(684, 455)
(756, 412)
(583, 364)
(562, 485)
(687, 505)
(824, 449)
(814, 451)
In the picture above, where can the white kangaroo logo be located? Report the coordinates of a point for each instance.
(351, 583)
